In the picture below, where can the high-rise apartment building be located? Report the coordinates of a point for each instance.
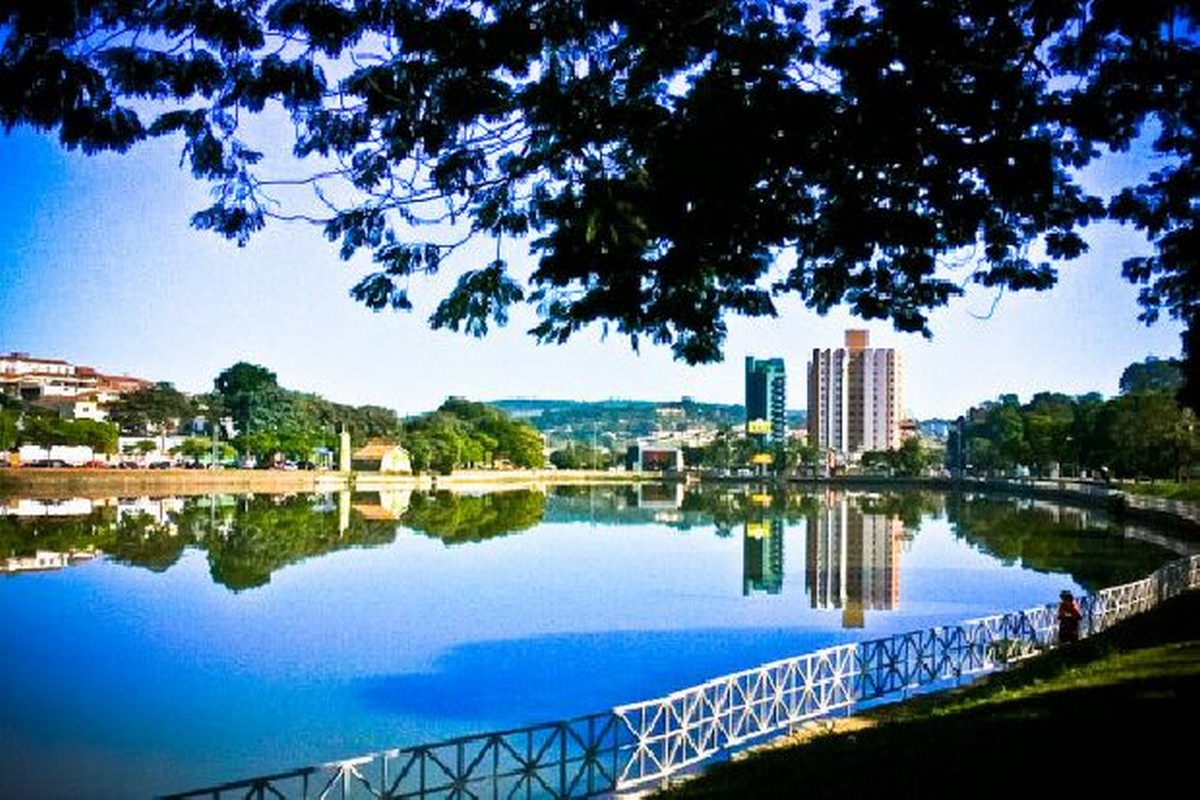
(855, 397)
(766, 401)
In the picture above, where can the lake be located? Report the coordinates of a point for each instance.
(163, 644)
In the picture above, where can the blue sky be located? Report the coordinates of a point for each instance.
(99, 266)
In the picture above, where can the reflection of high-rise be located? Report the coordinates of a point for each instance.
(762, 557)
(853, 559)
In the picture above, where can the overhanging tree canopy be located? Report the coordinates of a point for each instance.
(669, 161)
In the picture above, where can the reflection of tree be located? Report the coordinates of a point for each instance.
(468, 518)
(139, 540)
(248, 538)
(910, 506)
(24, 536)
(268, 533)
(730, 508)
(1047, 539)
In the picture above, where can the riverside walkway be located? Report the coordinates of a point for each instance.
(637, 746)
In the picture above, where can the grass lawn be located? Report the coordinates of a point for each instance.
(1188, 491)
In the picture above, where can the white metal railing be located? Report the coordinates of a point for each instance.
(639, 744)
(690, 726)
(675, 732)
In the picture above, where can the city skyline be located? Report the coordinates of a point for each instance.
(101, 268)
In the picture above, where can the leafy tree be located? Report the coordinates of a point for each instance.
(1152, 375)
(154, 409)
(1049, 420)
(462, 432)
(1149, 435)
(250, 394)
(196, 448)
(1088, 446)
(910, 459)
(8, 428)
(581, 456)
(659, 157)
(46, 431)
(1143, 432)
(798, 454)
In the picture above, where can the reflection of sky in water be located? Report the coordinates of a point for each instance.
(160, 682)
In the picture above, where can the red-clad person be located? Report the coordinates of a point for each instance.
(1068, 617)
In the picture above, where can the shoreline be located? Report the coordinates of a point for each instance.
(93, 483)
(41, 482)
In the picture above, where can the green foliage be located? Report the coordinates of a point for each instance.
(1142, 433)
(911, 459)
(196, 448)
(1052, 541)
(46, 430)
(271, 420)
(142, 447)
(581, 456)
(160, 408)
(1150, 435)
(1188, 492)
(262, 534)
(659, 157)
(9, 434)
(250, 395)
(462, 433)
(1152, 375)
(457, 519)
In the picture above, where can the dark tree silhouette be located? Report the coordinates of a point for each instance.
(668, 161)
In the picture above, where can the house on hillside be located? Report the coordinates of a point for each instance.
(380, 455)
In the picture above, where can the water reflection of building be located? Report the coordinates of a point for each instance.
(373, 506)
(161, 511)
(663, 499)
(762, 557)
(44, 560)
(853, 559)
(59, 507)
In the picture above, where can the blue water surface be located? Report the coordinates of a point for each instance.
(120, 682)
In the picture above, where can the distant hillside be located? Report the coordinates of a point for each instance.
(625, 419)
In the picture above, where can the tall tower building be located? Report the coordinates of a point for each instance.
(855, 397)
(766, 402)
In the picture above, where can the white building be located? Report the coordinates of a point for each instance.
(855, 397)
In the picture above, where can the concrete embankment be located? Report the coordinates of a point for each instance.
(94, 483)
(79, 482)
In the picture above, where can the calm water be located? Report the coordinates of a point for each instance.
(214, 638)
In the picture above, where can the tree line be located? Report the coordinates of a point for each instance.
(1142, 432)
(249, 417)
